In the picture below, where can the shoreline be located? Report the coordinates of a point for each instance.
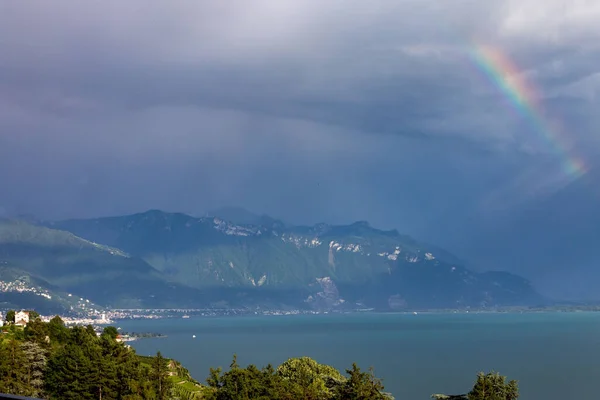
(118, 315)
(151, 314)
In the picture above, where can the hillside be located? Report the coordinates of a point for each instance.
(202, 252)
(18, 289)
(320, 266)
(62, 261)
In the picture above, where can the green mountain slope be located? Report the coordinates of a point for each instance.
(97, 272)
(320, 266)
(19, 289)
(202, 252)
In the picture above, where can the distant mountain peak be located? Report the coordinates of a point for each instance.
(241, 216)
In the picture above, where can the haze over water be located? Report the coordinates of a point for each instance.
(553, 355)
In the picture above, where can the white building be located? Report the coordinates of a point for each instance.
(22, 318)
(1, 320)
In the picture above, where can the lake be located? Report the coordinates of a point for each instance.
(552, 355)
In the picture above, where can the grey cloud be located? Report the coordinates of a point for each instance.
(307, 110)
(342, 63)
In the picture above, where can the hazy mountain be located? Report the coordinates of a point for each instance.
(103, 274)
(558, 249)
(320, 266)
(241, 216)
(18, 289)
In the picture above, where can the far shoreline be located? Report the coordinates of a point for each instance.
(150, 314)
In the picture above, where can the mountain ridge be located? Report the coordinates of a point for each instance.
(242, 216)
(327, 265)
(156, 259)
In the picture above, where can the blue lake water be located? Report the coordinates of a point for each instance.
(552, 355)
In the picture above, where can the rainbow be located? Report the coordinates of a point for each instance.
(504, 74)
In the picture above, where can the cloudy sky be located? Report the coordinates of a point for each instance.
(469, 124)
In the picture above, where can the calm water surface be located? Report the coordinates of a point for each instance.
(553, 355)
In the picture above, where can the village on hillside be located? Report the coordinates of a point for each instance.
(22, 318)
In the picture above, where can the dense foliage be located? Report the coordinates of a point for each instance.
(493, 386)
(297, 378)
(490, 386)
(52, 361)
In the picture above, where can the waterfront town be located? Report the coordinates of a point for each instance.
(108, 317)
(23, 318)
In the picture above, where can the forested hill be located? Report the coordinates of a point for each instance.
(51, 361)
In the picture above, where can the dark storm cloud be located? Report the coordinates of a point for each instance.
(307, 110)
(361, 67)
(393, 67)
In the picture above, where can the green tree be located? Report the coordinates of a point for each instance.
(10, 316)
(237, 383)
(13, 369)
(493, 386)
(89, 367)
(33, 315)
(35, 367)
(57, 330)
(15, 332)
(77, 364)
(274, 386)
(69, 374)
(128, 377)
(111, 331)
(309, 379)
(297, 378)
(81, 336)
(361, 386)
(90, 330)
(143, 388)
(246, 383)
(160, 376)
(214, 378)
(120, 367)
(37, 331)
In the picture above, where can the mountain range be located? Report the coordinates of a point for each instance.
(157, 259)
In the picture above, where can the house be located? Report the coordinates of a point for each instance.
(1, 320)
(22, 318)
